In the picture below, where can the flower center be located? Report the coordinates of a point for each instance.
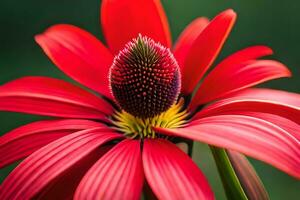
(145, 78)
(134, 127)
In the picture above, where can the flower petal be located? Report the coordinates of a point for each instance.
(52, 97)
(250, 53)
(171, 173)
(205, 49)
(46, 165)
(117, 175)
(26, 139)
(286, 124)
(123, 20)
(78, 54)
(251, 136)
(187, 38)
(237, 77)
(284, 104)
(235, 74)
(71, 178)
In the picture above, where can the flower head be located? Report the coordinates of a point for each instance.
(145, 78)
(106, 146)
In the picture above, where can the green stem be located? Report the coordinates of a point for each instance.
(231, 183)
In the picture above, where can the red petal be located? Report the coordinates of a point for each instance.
(251, 136)
(50, 162)
(284, 104)
(171, 173)
(117, 175)
(237, 77)
(124, 20)
(286, 124)
(25, 140)
(250, 53)
(71, 178)
(52, 97)
(187, 38)
(205, 49)
(79, 54)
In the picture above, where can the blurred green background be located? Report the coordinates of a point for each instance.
(272, 22)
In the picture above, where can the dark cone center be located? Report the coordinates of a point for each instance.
(145, 78)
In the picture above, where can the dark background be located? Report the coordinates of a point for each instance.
(272, 22)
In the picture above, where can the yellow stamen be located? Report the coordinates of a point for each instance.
(133, 126)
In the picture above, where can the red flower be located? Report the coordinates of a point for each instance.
(100, 151)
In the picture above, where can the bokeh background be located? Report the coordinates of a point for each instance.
(272, 22)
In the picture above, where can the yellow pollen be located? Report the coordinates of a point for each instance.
(134, 127)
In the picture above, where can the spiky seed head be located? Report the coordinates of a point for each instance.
(145, 78)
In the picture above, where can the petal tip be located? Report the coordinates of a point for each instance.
(289, 73)
(231, 15)
(230, 11)
(266, 49)
(38, 38)
(269, 50)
